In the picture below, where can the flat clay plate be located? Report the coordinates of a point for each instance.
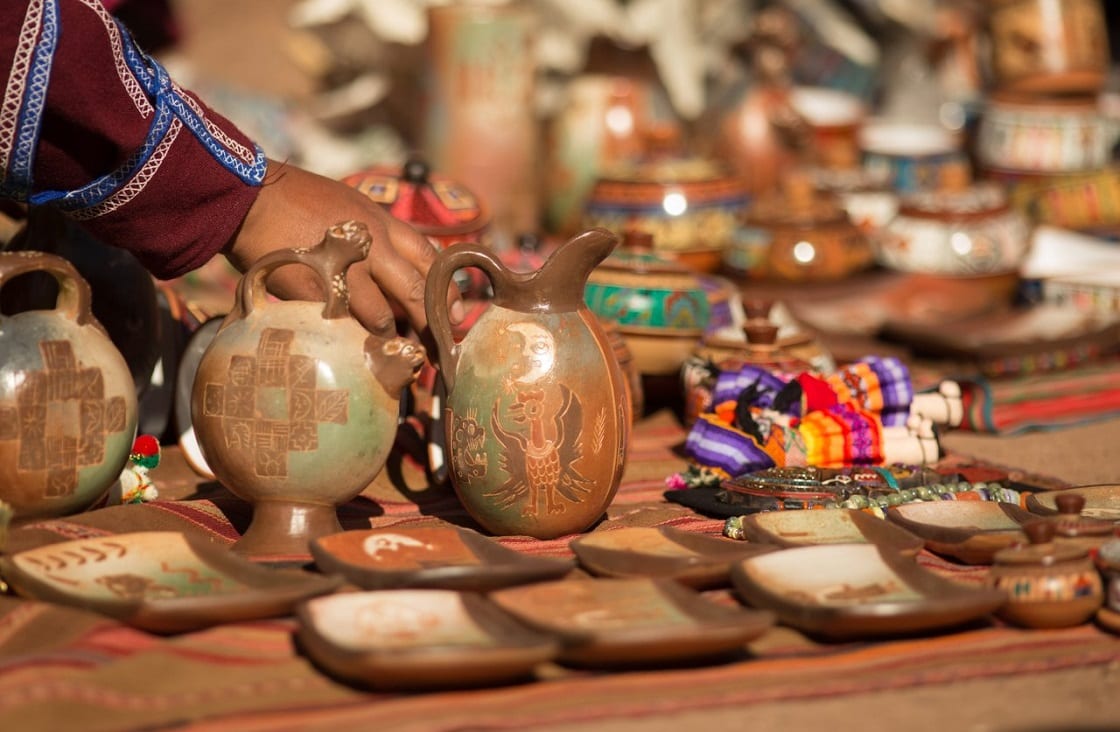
(697, 560)
(419, 639)
(438, 557)
(160, 581)
(969, 531)
(641, 621)
(1101, 501)
(858, 590)
(789, 529)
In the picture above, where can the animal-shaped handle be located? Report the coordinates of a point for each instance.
(73, 291)
(342, 245)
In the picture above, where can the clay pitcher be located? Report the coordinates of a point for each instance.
(295, 404)
(537, 415)
(67, 398)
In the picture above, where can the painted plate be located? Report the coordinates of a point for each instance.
(1101, 501)
(443, 557)
(160, 581)
(854, 590)
(419, 639)
(697, 560)
(969, 531)
(634, 621)
(789, 529)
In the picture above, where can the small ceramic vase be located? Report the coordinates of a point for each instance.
(537, 414)
(807, 236)
(295, 404)
(1071, 527)
(961, 229)
(660, 307)
(1044, 134)
(1048, 584)
(67, 400)
(690, 206)
(1049, 46)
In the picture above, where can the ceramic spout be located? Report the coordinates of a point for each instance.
(394, 362)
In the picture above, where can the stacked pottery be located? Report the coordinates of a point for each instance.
(1043, 129)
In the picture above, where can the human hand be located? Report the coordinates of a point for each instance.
(295, 207)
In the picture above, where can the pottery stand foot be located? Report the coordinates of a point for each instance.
(282, 531)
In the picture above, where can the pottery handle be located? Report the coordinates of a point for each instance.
(342, 245)
(448, 262)
(73, 291)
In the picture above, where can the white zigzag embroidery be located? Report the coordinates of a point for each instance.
(131, 84)
(217, 132)
(17, 82)
(137, 183)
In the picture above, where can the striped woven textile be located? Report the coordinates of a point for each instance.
(62, 668)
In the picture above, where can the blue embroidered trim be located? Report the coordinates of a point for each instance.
(17, 178)
(169, 105)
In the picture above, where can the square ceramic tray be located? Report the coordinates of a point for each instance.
(1101, 501)
(636, 621)
(697, 560)
(969, 531)
(160, 581)
(443, 557)
(419, 639)
(789, 529)
(858, 590)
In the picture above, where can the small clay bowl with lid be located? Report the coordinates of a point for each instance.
(960, 229)
(1071, 526)
(806, 236)
(1049, 584)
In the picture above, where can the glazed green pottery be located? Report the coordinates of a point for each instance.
(537, 412)
(295, 404)
(67, 399)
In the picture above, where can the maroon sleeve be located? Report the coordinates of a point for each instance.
(91, 125)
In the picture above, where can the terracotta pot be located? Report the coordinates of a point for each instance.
(1049, 585)
(1049, 46)
(537, 414)
(295, 404)
(67, 400)
(689, 205)
(1044, 134)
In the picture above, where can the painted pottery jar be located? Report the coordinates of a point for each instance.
(67, 399)
(660, 307)
(807, 235)
(690, 206)
(537, 415)
(908, 156)
(1048, 584)
(295, 404)
(1044, 134)
(963, 229)
(1049, 46)
(1088, 201)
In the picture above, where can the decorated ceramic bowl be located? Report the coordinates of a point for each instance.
(690, 206)
(908, 156)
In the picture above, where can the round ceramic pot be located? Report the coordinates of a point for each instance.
(834, 119)
(1088, 201)
(1045, 134)
(967, 232)
(295, 404)
(67, 400)
(805, 237)
(908, 157)
(865, 196)
(660, 307)
(690, 206)
(537, 413)
(1049, 46)
(1048, 585)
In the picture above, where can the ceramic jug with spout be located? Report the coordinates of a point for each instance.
(537, 414)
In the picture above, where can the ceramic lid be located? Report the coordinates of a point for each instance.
(432, 203)
(1042, 550)
(1070, 523)
(760, 343)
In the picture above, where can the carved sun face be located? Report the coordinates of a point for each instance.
(538, 351)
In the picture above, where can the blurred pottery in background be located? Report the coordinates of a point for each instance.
(537, 412)
(1049, 585)
(961, 229)
(67, 400)
(1044, 134)
(834, 119)
(1048, 46)
(908, 156)
(806, 236)
(690, 206)
(1087, 201)
(289, 391)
